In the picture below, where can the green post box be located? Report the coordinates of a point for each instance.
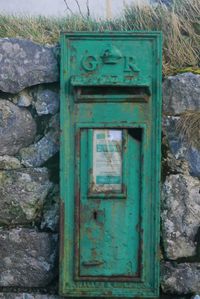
(110, 164)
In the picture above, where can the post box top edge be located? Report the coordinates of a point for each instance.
(141, 33)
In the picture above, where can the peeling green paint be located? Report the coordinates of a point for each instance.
(110, 240)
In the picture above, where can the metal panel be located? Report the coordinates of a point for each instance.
(109, 242)
(110, 236)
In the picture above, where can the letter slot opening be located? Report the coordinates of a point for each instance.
(112, 94)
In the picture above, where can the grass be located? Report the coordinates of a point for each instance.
(180, 25)
(188, 128)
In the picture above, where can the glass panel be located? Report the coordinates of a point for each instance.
(107, 161)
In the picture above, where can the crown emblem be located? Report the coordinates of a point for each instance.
(111, 55)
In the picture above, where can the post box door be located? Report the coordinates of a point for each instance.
(110, 180)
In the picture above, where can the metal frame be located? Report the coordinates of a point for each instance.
(148, 286)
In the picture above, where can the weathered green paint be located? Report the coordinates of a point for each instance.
(110, 241)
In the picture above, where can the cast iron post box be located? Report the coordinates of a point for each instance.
(110, 164)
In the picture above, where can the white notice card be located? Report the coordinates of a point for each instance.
(107, 160)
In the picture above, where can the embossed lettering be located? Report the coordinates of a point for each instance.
(129, 65)
(89, 63)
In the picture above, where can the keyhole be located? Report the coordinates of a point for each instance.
(95, 215)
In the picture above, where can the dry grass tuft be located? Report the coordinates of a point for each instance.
(180, 25)
(189, 128)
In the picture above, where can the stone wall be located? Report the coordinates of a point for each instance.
(29, 177)
(180, 205)
(29, 191)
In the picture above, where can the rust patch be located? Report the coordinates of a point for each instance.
(62, 217)
(77, 209)
(77, 231)
(124, 189)
(140, 249)
(113, 278)
(77, 145)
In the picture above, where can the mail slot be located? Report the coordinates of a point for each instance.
(110, 164)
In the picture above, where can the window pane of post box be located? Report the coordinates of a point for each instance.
(107, 161)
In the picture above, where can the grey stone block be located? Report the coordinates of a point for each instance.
(37, 154)
(17, 128)
(8, 163)
(28, 258)
(180, 278)
(24, 63)
(46, 102)
(50, 219)
(179, 147)
(181, 93)
(22, 194)
(28, 296)
(180, 213)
